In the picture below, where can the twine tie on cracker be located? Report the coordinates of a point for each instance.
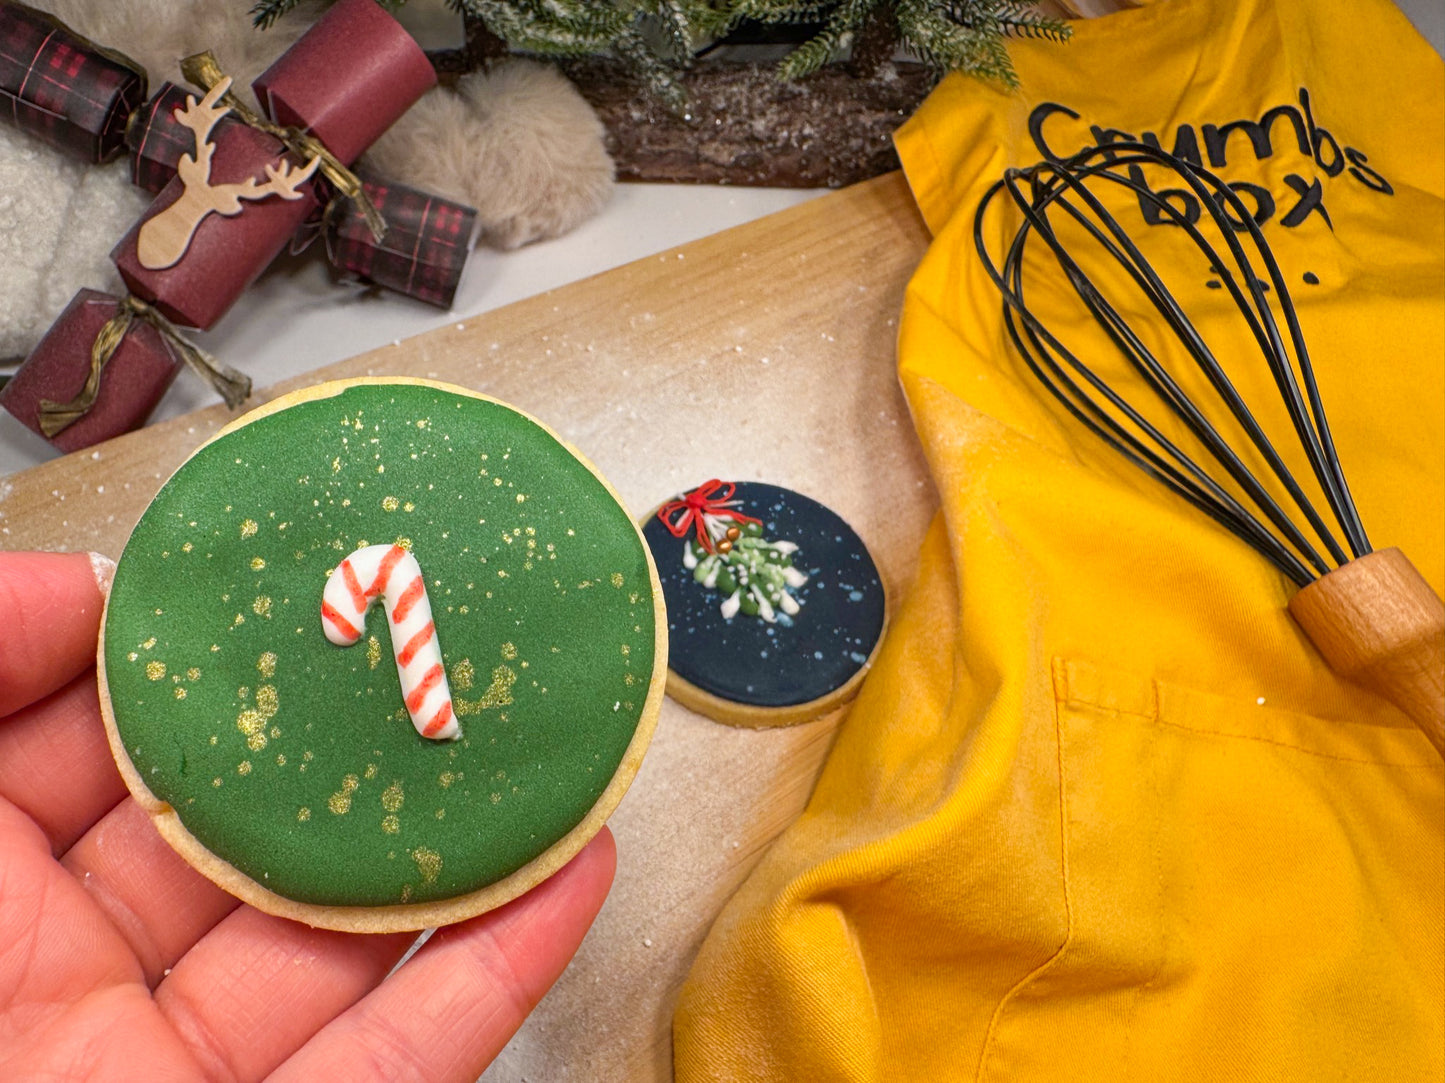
(319, 227)
(691, 511)
(204, 71)
(233, 386)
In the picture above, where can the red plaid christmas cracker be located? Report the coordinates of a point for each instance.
(157, 141)
(135, 378)
(422, 254)
(66, 90)
(362, 72)
(344, 82)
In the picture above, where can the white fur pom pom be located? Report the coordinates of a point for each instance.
(518, 143)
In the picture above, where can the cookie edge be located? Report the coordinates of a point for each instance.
(401, 917)
(750, 716)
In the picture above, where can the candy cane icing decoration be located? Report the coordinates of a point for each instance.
(391, 573)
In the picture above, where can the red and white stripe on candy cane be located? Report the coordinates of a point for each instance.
(392, 574)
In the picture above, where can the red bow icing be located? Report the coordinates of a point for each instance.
(691, 511)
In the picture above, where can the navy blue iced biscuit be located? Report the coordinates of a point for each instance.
(774, 604)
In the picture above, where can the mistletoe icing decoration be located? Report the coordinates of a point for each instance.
(728, 553)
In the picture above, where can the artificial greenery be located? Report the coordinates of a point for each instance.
(660, 37)
(755, 576)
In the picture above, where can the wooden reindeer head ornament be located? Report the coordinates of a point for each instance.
(163, 240)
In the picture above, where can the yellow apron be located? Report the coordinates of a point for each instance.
(1100, 811)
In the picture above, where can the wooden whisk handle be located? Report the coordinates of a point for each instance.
(1377, 622)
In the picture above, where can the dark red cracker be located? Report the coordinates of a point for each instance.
(131, 385)
(158, 141)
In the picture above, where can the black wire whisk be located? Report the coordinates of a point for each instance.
(1371, 614)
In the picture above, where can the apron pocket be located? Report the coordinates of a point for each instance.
(1251, 894)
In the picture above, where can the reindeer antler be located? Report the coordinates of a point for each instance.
(284, 182)
(164, 238)
(201, 118)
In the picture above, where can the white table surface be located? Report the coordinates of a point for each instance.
(296, 318)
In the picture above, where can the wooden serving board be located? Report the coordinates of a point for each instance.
(765, 352)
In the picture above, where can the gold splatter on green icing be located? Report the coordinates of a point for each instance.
(244, 767)
(345, 711)
(392, 797)
(193, 674)
(249, 528)
(509, 651)
(252, 720)
(250, 723)
(155, 670)
(180, 693)
(498, 693)
(266, 665)
(428, 863)
(463, 675)
(340, 801)
(617, 579)
(262, 606)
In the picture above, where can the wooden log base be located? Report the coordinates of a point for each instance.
(745, 126)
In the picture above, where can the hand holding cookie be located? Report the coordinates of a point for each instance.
(115, 953)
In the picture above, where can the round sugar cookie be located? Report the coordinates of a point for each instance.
(774, 605)
(506, 658)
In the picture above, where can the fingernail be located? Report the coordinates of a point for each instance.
(103, 568)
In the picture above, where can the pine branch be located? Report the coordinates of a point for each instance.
(632, 48)
(843, 24)
(947, 35)
(1026, 21)
(265, 12)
